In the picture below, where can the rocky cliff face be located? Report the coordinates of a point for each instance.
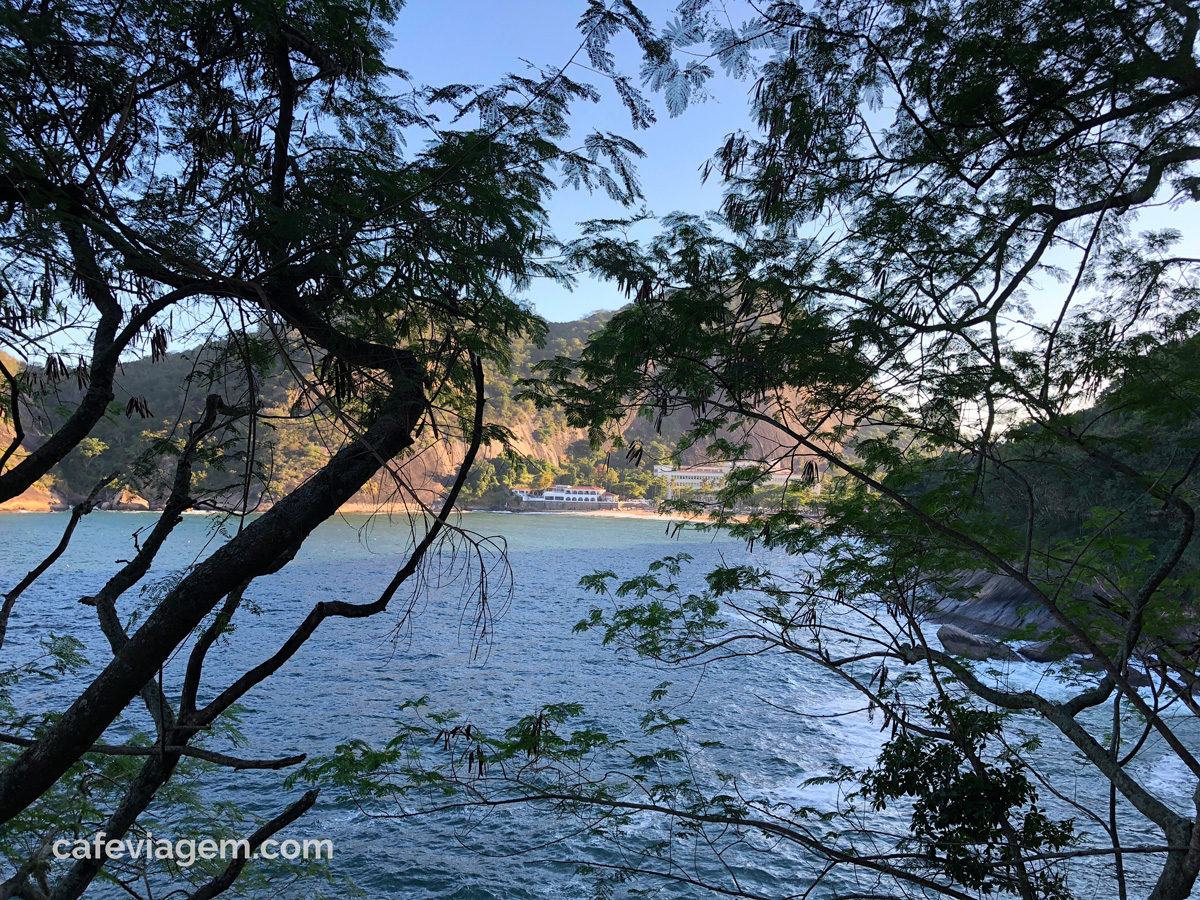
(420, 478)
(38, 498)
(552, 447)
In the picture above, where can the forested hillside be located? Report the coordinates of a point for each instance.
(296, 435)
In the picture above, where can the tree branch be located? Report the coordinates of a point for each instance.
(249, 554)
(324, 610)
(79, 511)
(225, 880)
(221, 759)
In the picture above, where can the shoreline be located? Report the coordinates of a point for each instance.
(366, 509)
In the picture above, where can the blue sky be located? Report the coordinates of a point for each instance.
(490, 39)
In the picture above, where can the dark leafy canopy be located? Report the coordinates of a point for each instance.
(926, 281)
(187, 170)
(961, 810)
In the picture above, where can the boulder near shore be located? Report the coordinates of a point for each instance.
(958, 642)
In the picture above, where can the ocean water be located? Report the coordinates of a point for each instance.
(778, 718)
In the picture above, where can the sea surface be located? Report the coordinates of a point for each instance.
(780, 721)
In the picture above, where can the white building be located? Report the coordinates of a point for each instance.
(705, 479)
(571, 493)
(566, 493)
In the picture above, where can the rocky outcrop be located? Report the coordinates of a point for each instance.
(127, 501)
(958, 642)
(1136, 678)
(1049, 650)
(35, 499)
(999, 606)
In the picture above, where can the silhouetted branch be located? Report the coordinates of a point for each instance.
(223, 881)
(324, 610)
(221, 759)
(15, 406)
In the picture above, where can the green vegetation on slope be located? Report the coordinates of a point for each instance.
(157, 398)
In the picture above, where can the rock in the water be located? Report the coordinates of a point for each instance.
(1135, 677)
(963, 643)
(1000, 606)
(1050, 650)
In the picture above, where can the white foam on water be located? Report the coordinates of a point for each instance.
(1170, 777)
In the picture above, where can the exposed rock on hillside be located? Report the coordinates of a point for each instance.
(36, 499)
(126, 501)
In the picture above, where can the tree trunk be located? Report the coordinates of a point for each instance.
(1179, 874)
(249, 554)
